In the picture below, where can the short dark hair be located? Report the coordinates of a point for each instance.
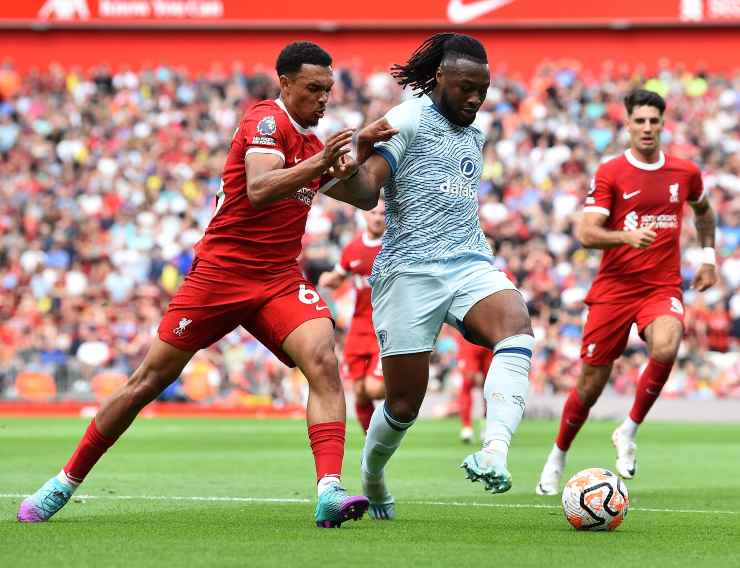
(642, 97)
(420, 70)
(297, 53)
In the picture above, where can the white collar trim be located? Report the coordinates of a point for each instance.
(644, 165)
(279, 102)
(368, 242)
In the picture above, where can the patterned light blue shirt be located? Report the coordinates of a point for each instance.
(431, 197)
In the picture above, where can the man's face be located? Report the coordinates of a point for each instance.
(644, 126)
(375, 220)
(306, 92)
(463, 86)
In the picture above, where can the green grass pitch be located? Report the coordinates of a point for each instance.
(177, 492)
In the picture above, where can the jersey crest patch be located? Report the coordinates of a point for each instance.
(267, 126)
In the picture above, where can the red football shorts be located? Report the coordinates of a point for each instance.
(362, 359)
(211, 302)
(608, 325)
(472, 359)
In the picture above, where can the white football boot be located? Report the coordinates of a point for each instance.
(626, 454)
(549, 483)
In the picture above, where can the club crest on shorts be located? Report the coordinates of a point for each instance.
(182, 326)
(383, 338)
(267, 126)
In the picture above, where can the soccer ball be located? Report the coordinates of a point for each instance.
(595, 500)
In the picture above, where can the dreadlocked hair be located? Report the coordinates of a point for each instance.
(420, 70)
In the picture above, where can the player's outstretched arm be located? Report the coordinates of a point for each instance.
(361, 186)
(331, 279)
(705, 222)
(592, 234)
(268, 181)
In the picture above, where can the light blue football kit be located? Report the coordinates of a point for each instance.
(435, 263)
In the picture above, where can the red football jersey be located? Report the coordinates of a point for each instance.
(634, 194)
(241, 237)
(357, 260)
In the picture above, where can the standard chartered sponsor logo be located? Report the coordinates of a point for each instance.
(459, 188)
(632, 220)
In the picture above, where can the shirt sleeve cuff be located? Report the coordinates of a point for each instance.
(595, 209)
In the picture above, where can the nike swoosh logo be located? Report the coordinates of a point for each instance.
(354, 263)
(628, 195)
(319, 308)
(460, 13)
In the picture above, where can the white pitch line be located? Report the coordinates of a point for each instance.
(288, 501)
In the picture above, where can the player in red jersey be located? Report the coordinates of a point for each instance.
(634, 212)
(361, 352)
(473, 362)
(245, 273)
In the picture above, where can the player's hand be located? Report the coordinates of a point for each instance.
(330, 280)
(377, 131)
(336, 146)
(641, 238)
(344, 168)
(705, 277)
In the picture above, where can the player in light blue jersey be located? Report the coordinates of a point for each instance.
(436, 265)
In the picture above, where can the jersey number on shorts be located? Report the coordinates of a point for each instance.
(307, 296)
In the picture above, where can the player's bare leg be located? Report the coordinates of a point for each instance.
(500, 322)
(591, 383)
(311, 346)
(162, 365)
(406, 378)
(663, 338)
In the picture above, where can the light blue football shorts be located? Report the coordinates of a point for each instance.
(410, 306)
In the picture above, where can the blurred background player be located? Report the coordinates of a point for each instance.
(436, 266)
(245, 273)
(634, 212)
(473, 362)
(361, 363)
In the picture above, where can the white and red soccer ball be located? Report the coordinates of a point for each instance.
(595, 499)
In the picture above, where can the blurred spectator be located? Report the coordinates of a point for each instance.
(109, 178)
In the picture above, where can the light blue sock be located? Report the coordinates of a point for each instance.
(383, 438)
(505, 390)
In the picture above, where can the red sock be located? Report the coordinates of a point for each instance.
(465, 402)
(327, 444)
(648, 388)
(364, 413)
(90, 449)
(574, 415)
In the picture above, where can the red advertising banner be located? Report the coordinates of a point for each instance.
(338, 14)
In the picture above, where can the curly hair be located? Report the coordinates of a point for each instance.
(297, 53)
(420, 70)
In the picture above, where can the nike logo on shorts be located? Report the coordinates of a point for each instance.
(629, 195)
(319, 308)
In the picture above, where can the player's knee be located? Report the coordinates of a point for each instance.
(323, 368)
(143, 387)
(665, 350)
(403, 410)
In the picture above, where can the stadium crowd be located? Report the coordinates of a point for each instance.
(107, 179)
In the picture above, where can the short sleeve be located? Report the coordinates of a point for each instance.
(599, 198)
(404, 117)
(260, 131)
(696, 190)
